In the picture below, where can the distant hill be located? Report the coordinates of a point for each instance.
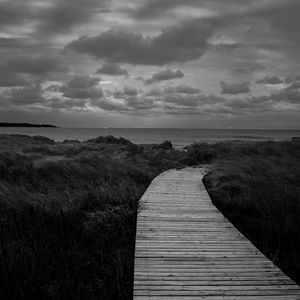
(5, 124)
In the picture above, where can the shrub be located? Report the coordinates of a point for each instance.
(110, 140)
(167, 145)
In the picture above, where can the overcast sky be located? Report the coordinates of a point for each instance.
(151, 63)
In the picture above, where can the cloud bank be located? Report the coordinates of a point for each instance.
(197, 44)
(164, 75)
(270, 80)
(181, 43)
(112, 69)
(234, 88)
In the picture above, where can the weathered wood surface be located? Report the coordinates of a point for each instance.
(186, 249)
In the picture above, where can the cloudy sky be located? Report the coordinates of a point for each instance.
(151, 63)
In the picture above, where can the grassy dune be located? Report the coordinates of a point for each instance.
(257, 187)
(68, 210)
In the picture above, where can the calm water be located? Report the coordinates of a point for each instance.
(179, 137)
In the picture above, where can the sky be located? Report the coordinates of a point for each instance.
(151, 63)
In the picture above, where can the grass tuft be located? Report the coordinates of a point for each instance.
(257, 188)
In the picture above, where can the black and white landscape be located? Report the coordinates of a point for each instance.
(98, 98)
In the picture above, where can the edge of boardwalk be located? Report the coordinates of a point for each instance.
(186, 249)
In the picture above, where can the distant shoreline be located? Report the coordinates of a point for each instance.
(5, 124)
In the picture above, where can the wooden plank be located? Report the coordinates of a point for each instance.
(223, 288)
(208, 293)
(223, 282)
(186, 249)
(166, 297)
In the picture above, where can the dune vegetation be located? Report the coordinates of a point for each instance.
(68, 209)
(68, 213)
(257, 187)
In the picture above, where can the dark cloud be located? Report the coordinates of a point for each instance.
(82, 87)
(164, 75)
(225, 48)
(185, 100)
(32, 64)
(139, 78)
(57, 103)
(63, 15)
(107, 104)
(294, 82)
(155, 8)
(112, 69)
(283, 16)
(290, 94)
(130, 91)
(183, 96)
(181, 43)
(280, 101)
(33, 95)
(294, 85)
(249, 66)
(183, 89)
(53, 88)
(289, 80)
(270, 80)
(287, 96)
(182, 100)
(154, 92)
(25, 95)
(79, 93)
(139, 102)
(200, 101)
(191, 104)
(263, 34)
(271, 24)
(152, 9)
(11, 79)
(162, 101)
(129, 104)
(14, 12)
(9, 43)
(90, 93)
(118, 94)
(246, 104)
(235, 88)
(82, 82)
(133, 100)
(56, 16)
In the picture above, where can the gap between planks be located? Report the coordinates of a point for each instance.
(186, 249)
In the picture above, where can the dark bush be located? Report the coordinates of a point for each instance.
(110, 140)
(43, 140)
(167, 145)
(71, 142)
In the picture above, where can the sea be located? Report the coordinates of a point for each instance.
(178, 137)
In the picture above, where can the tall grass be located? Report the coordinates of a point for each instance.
(257, 188)
(68, 210)
(68, 213)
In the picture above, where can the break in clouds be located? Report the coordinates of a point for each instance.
(213, 62)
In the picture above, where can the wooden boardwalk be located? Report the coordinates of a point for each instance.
(186, 249)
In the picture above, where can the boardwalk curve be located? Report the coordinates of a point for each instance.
(186, 249)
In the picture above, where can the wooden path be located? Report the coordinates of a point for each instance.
(186, 249)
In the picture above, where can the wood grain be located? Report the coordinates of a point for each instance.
(186, 249)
